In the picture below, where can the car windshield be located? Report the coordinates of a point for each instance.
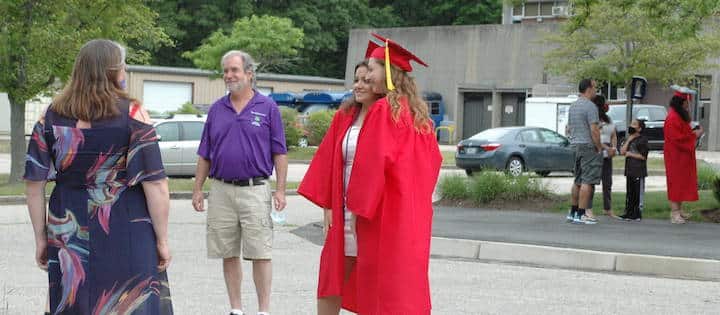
(648, 113)
(617, 113)
(491, 134)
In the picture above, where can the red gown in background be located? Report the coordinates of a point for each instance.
(393, 177)
(680, 163)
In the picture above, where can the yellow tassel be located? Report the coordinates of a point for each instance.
(388, 75)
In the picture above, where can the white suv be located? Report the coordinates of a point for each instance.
(179, 139)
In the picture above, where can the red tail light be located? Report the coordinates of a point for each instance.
(490, 146)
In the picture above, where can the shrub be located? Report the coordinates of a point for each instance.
(291, 126)
(453, 187)
(317, 125)
(716, 188)
(706, 176)
(487, 186)
(524, 187)
(187, 108)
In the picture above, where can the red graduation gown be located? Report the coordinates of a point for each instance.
(680, 162)
(394, 174)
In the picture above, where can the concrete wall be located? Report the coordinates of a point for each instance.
(500, 60)
(477, 58)
(206, 89)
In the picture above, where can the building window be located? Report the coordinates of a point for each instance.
(540, 8)
(532, 9)
(705, 87)
(517, 10)
(546, 8)
(434, 108)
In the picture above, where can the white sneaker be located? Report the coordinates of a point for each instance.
(583, 220)
(569, 218)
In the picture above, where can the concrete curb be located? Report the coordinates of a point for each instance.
(20, 199)
(307, 162)
(673, 267)
(617, 171)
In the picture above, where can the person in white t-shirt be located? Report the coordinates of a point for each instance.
(608, 138)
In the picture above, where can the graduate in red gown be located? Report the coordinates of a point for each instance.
(394, 171)
(679, 154)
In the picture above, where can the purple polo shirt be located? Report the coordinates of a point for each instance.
(241, 145)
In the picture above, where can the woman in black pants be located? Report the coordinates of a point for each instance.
(608, 138)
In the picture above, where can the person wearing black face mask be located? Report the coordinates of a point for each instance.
(635, 150)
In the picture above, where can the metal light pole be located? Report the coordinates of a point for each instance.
(638, 88)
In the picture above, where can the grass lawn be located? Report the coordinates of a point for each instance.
(306, 154)
(657, 164)
(656, 205)
(4, 146)
(17, 189)
(448, 158)
(302, 154)
(175, 184)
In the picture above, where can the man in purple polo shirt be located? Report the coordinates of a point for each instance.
(243, 139)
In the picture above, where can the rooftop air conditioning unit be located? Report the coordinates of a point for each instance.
(559, 11)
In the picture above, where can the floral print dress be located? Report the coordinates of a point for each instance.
(102, 256)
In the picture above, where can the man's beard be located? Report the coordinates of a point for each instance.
(236, 86)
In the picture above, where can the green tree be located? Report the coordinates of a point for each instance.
(445, 12)
(318, 124)
(325, 24)
(291, 126)
(612, 40)
(272, 41)
(39, 40)
(189, 22)
(187, 108)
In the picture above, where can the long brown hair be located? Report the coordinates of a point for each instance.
(676, 103)
(93, 91)
(405, 87)
(351, 102)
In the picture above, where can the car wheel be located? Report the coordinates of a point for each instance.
(515, 166)
(543, 173)
(469, 172)
(303, 142)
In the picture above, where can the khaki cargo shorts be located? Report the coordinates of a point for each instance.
(588, 164)
(239, 219)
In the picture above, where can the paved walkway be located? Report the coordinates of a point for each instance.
(458, 286)
(651, 237)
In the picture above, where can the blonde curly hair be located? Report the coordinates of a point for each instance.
(405, 87)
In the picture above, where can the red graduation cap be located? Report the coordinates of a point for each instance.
(683, 92)
(399, 56)
(391, 53)
(683, 95)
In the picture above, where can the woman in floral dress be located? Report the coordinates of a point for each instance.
(104, 240)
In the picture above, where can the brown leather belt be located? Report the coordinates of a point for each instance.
(260, 180)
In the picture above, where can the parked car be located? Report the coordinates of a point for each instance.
(516, 150)
(179, 139)
(654, 116)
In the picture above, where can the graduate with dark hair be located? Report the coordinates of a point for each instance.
(679, 154)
